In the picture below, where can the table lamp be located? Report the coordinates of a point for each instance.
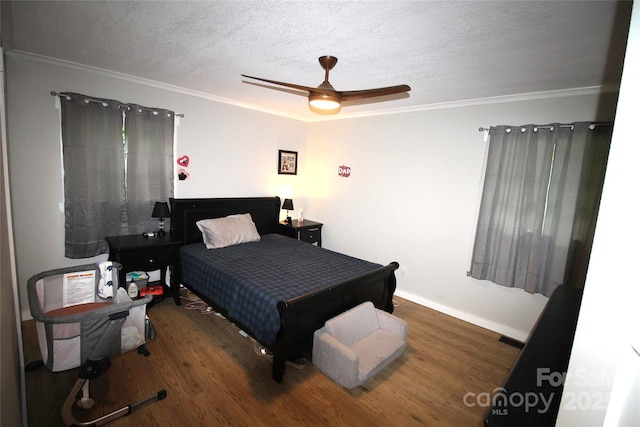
(161, 211)
(288, 206)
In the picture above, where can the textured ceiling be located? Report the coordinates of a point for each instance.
(446, 51)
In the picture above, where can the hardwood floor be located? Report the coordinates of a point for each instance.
(214, 376)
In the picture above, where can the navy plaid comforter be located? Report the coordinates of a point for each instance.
(248, 280)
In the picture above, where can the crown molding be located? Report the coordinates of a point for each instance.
(591, 90)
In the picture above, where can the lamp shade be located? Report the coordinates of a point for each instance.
(287, 204)
(160, 210)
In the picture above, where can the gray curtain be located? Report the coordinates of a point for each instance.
(93, 161)
(539, 205)
(149, 134)
(117, 161)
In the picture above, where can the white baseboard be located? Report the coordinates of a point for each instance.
(467, 317)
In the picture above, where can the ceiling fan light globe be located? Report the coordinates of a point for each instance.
(324, 102)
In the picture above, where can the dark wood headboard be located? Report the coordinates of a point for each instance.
(265, 212)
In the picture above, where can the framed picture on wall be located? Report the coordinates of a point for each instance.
(287, 162)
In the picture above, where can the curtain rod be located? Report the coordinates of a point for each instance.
(562, 125)
(54, 93)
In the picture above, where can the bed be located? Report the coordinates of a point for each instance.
(276, 289)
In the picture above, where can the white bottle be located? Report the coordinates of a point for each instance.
(133, 290)
(300, 219)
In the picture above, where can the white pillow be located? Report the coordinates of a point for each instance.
(227, 231)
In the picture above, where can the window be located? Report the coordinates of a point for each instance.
(539, 205)
(118, 161)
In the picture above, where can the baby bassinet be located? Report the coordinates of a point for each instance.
(83, 318)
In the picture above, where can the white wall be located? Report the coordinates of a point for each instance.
(412, 195)
(12, 390)
(233, 151)
(603, 379)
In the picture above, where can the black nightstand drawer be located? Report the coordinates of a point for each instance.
(311, 235)
(150, 259)
(305, 231)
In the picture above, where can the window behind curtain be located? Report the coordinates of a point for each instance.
(118, 161)
(539, 205)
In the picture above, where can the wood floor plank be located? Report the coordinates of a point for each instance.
(215, 376)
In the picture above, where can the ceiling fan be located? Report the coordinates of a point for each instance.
(325, 97)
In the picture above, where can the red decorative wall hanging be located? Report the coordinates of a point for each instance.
(184, 162)
(344, 171)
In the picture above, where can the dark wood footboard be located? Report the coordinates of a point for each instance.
(301, 316)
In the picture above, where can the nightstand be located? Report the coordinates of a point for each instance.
(136, 252)
(307, 231)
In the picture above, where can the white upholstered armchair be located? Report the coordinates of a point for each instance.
(354, 346)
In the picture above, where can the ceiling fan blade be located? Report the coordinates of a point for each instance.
(291, 85)
(325, 97)
(370, 93)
